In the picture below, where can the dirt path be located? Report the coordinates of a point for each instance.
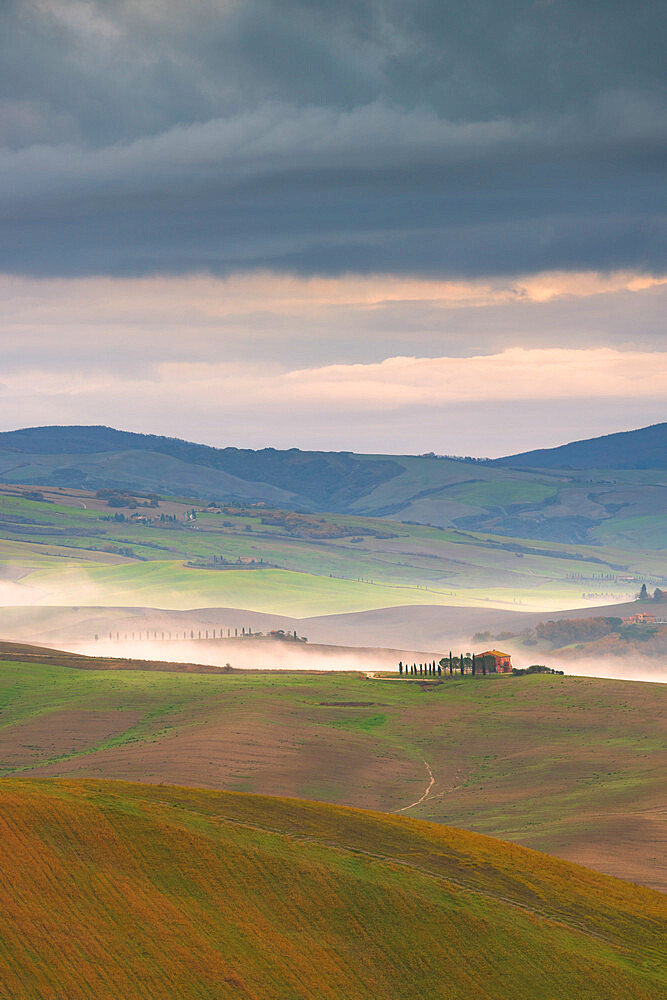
(426, 793)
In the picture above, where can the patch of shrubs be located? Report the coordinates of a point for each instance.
(536, 668)
(120, 498)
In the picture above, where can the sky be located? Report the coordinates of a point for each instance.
(370, 226)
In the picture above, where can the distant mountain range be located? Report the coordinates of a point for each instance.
(641, 449)
(609, 489)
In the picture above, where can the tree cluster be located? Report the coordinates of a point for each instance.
(464, 663)
(567, 630)
(658, 595)
(535, 668)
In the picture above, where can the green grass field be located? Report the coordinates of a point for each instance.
(622, 508)
(62, 554)
(571, 766)
(113, 890)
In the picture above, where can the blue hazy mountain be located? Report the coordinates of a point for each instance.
(606, 490)
(645, 448)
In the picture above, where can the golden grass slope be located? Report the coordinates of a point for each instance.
(112, 890)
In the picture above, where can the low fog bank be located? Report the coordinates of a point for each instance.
(73, 608)
(366, 641)
(71, 623)
(252, 654)
(424, 632)
(73, 587)
(615, 668)
(270, 654)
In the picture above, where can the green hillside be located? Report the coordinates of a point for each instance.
(114, 890)
(611, 492)
(568, 765)
(73, 547)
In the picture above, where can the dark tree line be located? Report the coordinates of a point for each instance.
(431, 669)
(462, 664)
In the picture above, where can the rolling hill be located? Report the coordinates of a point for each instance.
(585, 503)
(641, 449)
(568, 765)
(60, 547)
(154, 892)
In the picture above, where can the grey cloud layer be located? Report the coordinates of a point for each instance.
(431, 137)
(68, 326)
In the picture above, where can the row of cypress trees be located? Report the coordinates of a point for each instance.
(431, 669)
(446, 664)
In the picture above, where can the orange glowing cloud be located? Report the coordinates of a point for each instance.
(516, 373)
(194, 300)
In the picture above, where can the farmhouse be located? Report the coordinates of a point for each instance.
(502, 661)
(640, 618)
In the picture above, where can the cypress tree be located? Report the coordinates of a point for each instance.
(451, 668)
(400, 668)
(473, 664)
(462, 665)
(439, 671)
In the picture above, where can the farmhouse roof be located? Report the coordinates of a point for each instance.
(492, 652)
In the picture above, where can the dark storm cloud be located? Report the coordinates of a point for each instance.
(431, 137)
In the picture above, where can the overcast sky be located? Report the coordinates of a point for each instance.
(370, 226)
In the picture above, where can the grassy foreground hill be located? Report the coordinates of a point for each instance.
(568, 765)
(114, 890)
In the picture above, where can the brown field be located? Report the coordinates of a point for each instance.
(571, 766)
